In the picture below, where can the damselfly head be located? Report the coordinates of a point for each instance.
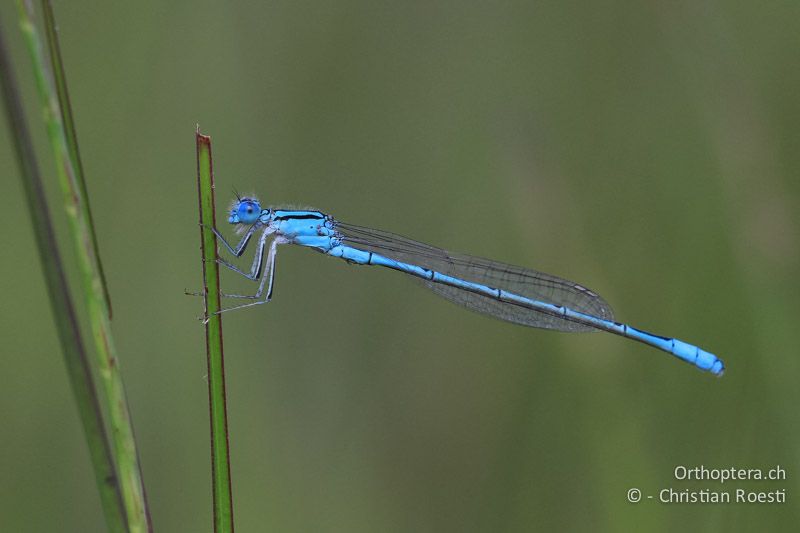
(245, 211)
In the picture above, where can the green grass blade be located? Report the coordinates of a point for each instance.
(114, 398)
(220, 458)
(68, 123)
(74, 352)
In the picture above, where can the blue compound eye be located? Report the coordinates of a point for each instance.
(248, 211)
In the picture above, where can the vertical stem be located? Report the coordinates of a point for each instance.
(66, 321)
(68, 122)
(220, 457)
(114, 398)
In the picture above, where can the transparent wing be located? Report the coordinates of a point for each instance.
(525, 282)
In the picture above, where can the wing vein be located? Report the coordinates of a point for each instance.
(524, 282)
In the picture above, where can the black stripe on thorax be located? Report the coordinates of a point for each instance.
(305, 216)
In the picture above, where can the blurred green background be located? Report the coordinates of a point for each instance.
(647, 150)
